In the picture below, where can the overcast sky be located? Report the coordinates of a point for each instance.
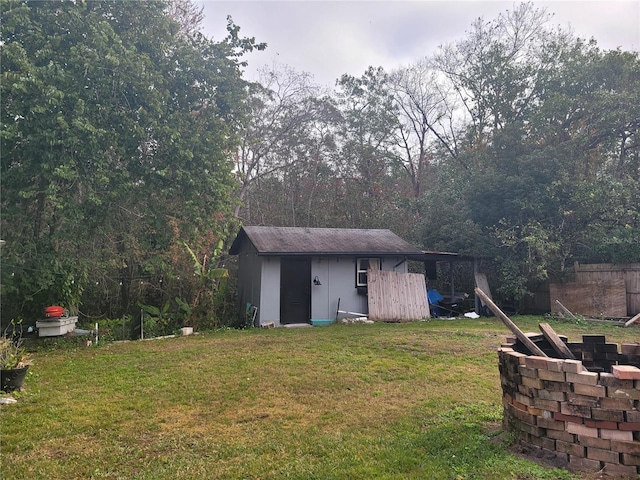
(329, 38)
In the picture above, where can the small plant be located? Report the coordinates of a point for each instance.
(13, 354)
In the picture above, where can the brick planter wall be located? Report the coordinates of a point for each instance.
(584, 414)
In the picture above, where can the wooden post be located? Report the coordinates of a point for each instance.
(533, 348)
(556, 342)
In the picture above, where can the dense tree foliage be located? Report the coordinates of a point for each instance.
(117, 123)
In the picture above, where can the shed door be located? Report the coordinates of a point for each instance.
(295, 290)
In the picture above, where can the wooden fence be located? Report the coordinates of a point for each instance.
(397, 297)
(610, 273)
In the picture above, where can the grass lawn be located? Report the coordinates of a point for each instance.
(385, 401)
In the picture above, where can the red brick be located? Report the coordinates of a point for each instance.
(547, 395)
(551, 375)
(550, 424)
(544, 443)
(598, 424)
(561, 435)
(626, 447)
(528, 372)
(519, 406)
(603, 455)
(607, 415)
(576, 410)
(532, 383)
(584, 464)
(616, 403)
(576, 399)
(631, 394)
(570, 448)
(549, 405)
(572, 366)
(590, 390)
(587, 378)
(591, 339)
(632, 415)
(630, 426)
(518, 397)
(582, 430)
(617, 435)
(567, 418)
(534, 361)
(626, 372)
(608, 380)
(620, 471)
(556, 386)
(630, 459)
(630, 348)
(594, 442)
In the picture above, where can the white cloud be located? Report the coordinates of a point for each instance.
(329, 38)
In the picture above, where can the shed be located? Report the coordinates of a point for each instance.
(295, 275)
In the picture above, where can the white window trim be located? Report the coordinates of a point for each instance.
(360, 270)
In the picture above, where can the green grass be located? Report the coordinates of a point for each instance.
(384, 401)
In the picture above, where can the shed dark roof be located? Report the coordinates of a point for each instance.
(322, 241)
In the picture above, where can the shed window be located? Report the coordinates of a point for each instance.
(364, 264)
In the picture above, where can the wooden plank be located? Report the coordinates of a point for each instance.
(565, 309)
(483, 284)
(605, 272)
(533, 348)
(633, 320)
(556, 342)
(396, 297)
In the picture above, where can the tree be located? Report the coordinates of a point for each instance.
(285, 128)
(117, 128)
(546, 162)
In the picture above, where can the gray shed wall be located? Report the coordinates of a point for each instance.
(338, 278)
(259, 285)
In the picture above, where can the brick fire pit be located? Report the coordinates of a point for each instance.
(584, 414)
